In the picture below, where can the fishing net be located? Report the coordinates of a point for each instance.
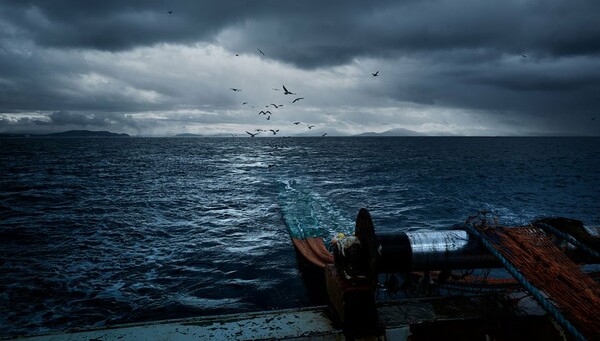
(546, 267)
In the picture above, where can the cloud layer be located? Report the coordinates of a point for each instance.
(464, 67)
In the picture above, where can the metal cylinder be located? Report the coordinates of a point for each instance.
(431, 250)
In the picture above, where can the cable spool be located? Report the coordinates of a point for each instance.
(372, 253)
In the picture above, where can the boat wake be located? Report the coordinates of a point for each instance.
(307, 214)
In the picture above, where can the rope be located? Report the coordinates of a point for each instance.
(551, 309)
(549, 228)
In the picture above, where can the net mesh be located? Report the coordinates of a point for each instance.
(546, 267)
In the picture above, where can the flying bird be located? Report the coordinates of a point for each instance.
(376, 74)
(170, 12)
(264, 112)
(259, 130)
(249, 133)
(324, 134)
(309, 126)
(232, 135)
(275, 105)
(287, 92)
(296, 123)
(524, 56)
(276, 89)
(594, 118)
(260, 51)
(244, 103)
(274, 131)
(268, 118)
(297, 99)
(236, 90)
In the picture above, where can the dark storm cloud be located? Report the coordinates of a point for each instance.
(537, 59)
(120, 25)
(530, 87)
(63, 118)
(317, 33)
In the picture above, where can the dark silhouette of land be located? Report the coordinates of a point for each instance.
(69, 133)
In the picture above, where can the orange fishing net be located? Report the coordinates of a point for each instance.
(314, 250)
(571, 290)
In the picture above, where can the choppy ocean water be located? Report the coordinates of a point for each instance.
(104, 231)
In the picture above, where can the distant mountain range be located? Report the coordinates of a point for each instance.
(320, 131)
(393, 132)
(307, 133)
(69, 133)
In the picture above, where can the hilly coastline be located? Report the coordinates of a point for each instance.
(69, 133)
(393, 132)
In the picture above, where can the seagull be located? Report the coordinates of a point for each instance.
(287, 92)
(252, 134)
(236, 90)
(170, 12)
(268, 118)
(376, 74)
(275, 105)
(244, 103)
(275, 89)
(309, 126)
(260, 51)
(524, 56)
(237, 54)
(259, 130)
(297, 99)
(232, 135)
(296, 123)
(274, 131)
(265, 112)
(324, 134)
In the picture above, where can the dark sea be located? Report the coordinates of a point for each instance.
(103, 231)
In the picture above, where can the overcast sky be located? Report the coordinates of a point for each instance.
(461, 67)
